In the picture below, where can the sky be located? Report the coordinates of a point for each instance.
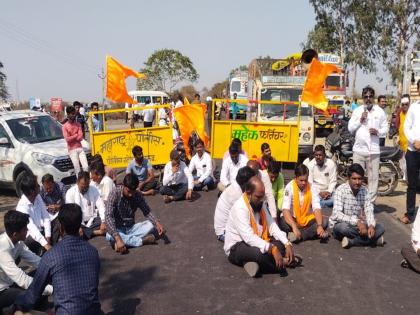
(56, 48)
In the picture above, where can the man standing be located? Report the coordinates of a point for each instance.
(73, 268)
(97, 119)
(54, 195)
(228, 197)
(403, 141)
(13, 280)
(368, 123)
(87, 197)
(253, 240)
(302, 216)
(201, 163)
(123, 232)
(352, 219)
(412, 157)
(323, 176)
(382, 104)
(233, 108)
(39, 226)
(177, 182)
(196, 99)
(142, 168)
(230, 166)
(72, 132)
(148, 114)
(80, 117)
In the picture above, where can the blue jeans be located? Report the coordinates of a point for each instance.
(350, 231)
(209, 182)
(327, 203)
(132, 237)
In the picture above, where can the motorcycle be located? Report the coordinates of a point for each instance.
(339, 146)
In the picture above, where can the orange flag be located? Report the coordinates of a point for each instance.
(190, 119)
(312, 90)
(116, 74)
(186, 101)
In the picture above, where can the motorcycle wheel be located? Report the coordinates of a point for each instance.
(388, 179)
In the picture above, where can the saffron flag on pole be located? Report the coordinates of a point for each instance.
(312, 90)
(191, 119)
(116, 74)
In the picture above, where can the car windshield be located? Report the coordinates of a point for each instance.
(35, 129)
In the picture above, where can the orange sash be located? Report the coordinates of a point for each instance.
(303, 217)
(263, 220)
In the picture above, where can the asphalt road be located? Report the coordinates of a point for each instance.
(193, 276)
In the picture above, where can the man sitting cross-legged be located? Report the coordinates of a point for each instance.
(202, 164)
(411, 252)
(228, 197)
(122, 204)
(13, 280)
(142, 168)
(302, 216)
(231, 165)
(352, 219)
(92, 205)
(253, 240)
(177, 180)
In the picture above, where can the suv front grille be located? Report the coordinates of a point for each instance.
(65, 165)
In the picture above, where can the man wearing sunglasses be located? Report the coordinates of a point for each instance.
(368, 123)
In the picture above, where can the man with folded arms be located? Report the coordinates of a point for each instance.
(253, 240)
(302, 215)
(352, 219)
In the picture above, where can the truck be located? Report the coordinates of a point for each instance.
(335, 92)
(238, 84)
(285, 84)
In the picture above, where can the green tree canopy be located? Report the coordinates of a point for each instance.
(165, 69)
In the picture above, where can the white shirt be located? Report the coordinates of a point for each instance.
(9, 272)
(104, 187)
(288, 198)
(230, 170)
(148, 113)
(366, 143)
(91, 203)
(39, 218)
(412, 124)
(225, 202)
(269, 196)
(179, 104)
(323, 178)
(238, 228)
(163, 117)
(203, 166)
(415, 232)
(183, 175)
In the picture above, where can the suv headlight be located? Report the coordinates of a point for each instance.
(43, 159)
(306, 137)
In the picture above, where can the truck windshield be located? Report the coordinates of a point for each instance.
(235, 86)
(333, 82)
(35, 129)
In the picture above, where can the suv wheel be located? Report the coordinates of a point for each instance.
(18, 181)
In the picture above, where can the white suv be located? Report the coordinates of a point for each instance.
(32, 143)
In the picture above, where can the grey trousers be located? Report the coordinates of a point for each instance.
(370, 163)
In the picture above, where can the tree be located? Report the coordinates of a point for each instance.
(399, 24)
(165, 69)
(188, 91)
(238, 69)
(219, 89)
(4, 94)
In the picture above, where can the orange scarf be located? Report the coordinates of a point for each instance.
(263, 220)
(303, 217)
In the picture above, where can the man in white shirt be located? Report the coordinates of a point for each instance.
(302, 215)
(230, 166)
(13, 280)
(201, 163)
(177, 180)
(265, 178)
(412, 157)
(237, 142)
(92, 205)
(411, 252)
(228, 197)
(148, 114)
(253, 240)
(103, 183)
(368, 123)
(323, 176)
(39, 228)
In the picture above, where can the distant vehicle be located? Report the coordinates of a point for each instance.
(5, 107)
(238, 83)
(32, 142)
(155, 97)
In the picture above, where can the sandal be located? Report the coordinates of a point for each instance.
(404, 264)
(296, 262)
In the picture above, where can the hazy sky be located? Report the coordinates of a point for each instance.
(57, 48)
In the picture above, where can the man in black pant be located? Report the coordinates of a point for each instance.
(253, 240)
(412, 157)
